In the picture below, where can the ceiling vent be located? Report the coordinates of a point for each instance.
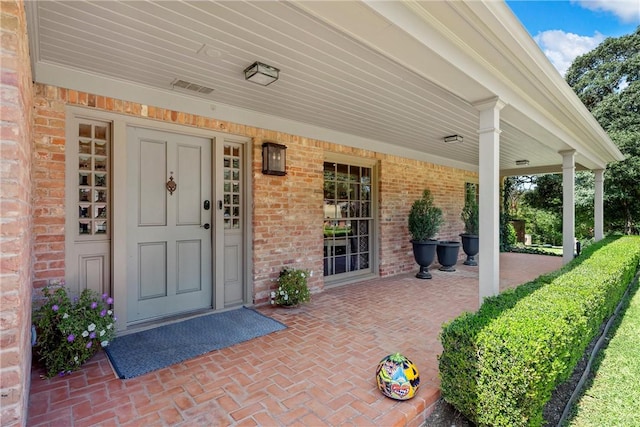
(181, 84)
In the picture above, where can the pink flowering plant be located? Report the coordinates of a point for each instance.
(69, 332)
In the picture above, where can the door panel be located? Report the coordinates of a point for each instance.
(232, 220)
(233, 289)
(189, 169)
(152, 170)
(169, 252)
(189, 259)
(152, 270)
(92, 272)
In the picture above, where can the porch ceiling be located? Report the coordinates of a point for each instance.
(397, 76)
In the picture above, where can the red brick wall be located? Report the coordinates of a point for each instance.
(287, 211)
(401, 182)
(287, 215)
(48, 179)
(15, 212)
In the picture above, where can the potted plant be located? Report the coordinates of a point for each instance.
(292, 288)
(447, 251)
(425, 220)
(470, 244)
(70, 331)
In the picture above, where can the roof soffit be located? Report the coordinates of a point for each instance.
(521, 76)
(376, 61)
(530, 74)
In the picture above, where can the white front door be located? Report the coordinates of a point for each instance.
(169, 234)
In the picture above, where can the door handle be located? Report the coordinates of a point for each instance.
(206, 226)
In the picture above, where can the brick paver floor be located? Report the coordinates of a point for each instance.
(318, 372)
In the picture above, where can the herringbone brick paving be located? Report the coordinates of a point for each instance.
(317, 372)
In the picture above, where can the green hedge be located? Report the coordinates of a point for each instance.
(500, 365)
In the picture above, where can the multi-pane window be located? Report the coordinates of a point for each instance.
(347, 218)
(93, 179)
(232, 186)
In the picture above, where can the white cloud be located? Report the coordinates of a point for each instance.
(562, 48)
(625, 10)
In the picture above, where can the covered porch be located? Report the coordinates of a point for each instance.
(428, 94)
(319, 371)
(453, 84)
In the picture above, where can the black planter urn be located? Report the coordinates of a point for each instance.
(424, 252)
(470, 246)
(447, 251)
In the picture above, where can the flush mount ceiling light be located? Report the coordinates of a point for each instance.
(522, 162)
(453, 139)
(261, 74)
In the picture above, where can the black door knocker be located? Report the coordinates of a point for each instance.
(171, 184)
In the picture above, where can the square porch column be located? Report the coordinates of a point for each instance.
(598, 205)
(489, 206)
(568, 204)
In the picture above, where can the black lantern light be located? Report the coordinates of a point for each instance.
(274, 159)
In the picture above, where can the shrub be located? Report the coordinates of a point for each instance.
(425, 218)
(508, 236)
(70, 332)
(292, 287)
(522, 249)
(470, 216)
(500, 365)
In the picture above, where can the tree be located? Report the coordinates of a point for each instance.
(607, 80)
(546, 196)
(547, 193)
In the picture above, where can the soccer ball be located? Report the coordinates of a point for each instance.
(397, 377)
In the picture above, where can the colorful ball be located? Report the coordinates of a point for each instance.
(397, 377)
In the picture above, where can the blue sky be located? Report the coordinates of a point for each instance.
(565, 29)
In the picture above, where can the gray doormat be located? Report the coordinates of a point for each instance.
(145, 351)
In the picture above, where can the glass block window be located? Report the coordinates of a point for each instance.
(93, 179)
(232, 176)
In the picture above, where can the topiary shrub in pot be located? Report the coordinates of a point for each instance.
(425, 220)
(470, 241)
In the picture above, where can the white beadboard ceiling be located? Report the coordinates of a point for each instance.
(344, 67)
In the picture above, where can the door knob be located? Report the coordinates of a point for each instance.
(206, 226)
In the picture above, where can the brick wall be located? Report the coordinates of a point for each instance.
(287, 214)
(287, 211)
(402, 181)
(48, 178)
(15, 212)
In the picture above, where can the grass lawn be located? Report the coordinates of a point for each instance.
(611, 397)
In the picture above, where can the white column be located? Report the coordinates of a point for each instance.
(598, 205)
(568, 204)
(489, 209)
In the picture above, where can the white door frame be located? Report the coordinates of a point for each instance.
(120, 122)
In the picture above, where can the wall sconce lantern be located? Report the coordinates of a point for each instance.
(274, 159)
(261, 74)
(453, 139)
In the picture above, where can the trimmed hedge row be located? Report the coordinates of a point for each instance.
(500, 365)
